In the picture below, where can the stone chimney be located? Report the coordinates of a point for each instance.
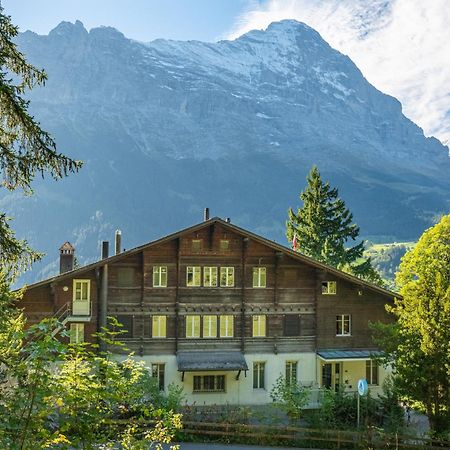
(66, 257)
(118, 242)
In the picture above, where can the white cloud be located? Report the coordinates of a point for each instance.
(401, 46)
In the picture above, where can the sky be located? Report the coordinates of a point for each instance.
(401, 46)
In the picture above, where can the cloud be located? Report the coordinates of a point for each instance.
(401, 46)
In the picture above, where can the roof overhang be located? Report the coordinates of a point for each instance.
(347, 355)
(200, 361)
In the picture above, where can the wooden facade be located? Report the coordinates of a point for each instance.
(264, 279)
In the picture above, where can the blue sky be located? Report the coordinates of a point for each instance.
(144, 20)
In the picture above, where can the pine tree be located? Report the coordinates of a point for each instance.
(322, 227)
(25, 149)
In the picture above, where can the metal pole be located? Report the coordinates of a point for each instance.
(357, 414)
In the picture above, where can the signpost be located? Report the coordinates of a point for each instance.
(363, 389)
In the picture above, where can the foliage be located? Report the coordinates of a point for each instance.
(418, 344)
(25, 149)
(55, 395)
(338, 410)
(322, 227)
(386, 259)
(290, 396)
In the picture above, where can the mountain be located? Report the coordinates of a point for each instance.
(166, 128)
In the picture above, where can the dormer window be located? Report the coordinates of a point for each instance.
(329, 287)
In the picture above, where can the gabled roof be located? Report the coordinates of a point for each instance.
(245, 233)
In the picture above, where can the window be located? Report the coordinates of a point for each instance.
(209, 326)
(227, 276)
(209, 383)
(158, 373)
(76, 333)
(259, 277)
(224, 245)
(210, 276)
(329, 287)
(371, 372)
(192, 326)
(193, 276)
(81, 290)
(197, 245)
(258, 375)
(259, 326)
(292, 325)
(226, 326)
(159, 326)
(81, 305)
(159, 276)
(343, 325)
(125, 276)
(291, 372)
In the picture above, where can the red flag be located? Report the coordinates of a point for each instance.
(294, 242)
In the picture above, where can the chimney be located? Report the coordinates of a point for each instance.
(118, 242)
(228, 220)
(66, 257)
(105, 249)
(206, 214)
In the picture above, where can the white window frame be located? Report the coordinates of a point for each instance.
(371, 365)
(259, 325)
(211, 273)
(158, 276)
(75, 289)
(228, 272)
(156, 373)
(159, 326)
(259, 277)
(290, 367)
(196, 276)
(190, 333)
(83, 304)
(228, 326)
(341, 320)
(76, 333)
(330, 288)
(259, 375)
(210, 326)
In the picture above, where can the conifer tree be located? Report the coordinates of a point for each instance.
(25, 149)
(322, 227)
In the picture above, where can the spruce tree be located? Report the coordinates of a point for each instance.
(322, 227)
(25, 149)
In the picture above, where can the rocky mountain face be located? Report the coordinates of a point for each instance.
(167, 128)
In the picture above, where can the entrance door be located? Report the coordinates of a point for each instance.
(326, 375)
(81, 304)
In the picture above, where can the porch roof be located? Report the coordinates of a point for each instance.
(338, 355)
(207, 361)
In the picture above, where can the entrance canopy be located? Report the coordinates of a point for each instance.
(348, 355)
(208, 361)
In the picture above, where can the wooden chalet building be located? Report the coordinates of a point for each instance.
(222, 312)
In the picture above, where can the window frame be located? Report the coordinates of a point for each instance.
(212, 326)
(159, 273)
(257, 319)
(257, 282)
(194, 318)
(81, 281)
(76, 333)
(291, 372)
(331, 287)
(159, 325)
(158, 368)
(208, 273)
(195, 270)
(259, 375)
(341, 320)
(218, 381)
(228, 271)
(372, 367)
(228, 320)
